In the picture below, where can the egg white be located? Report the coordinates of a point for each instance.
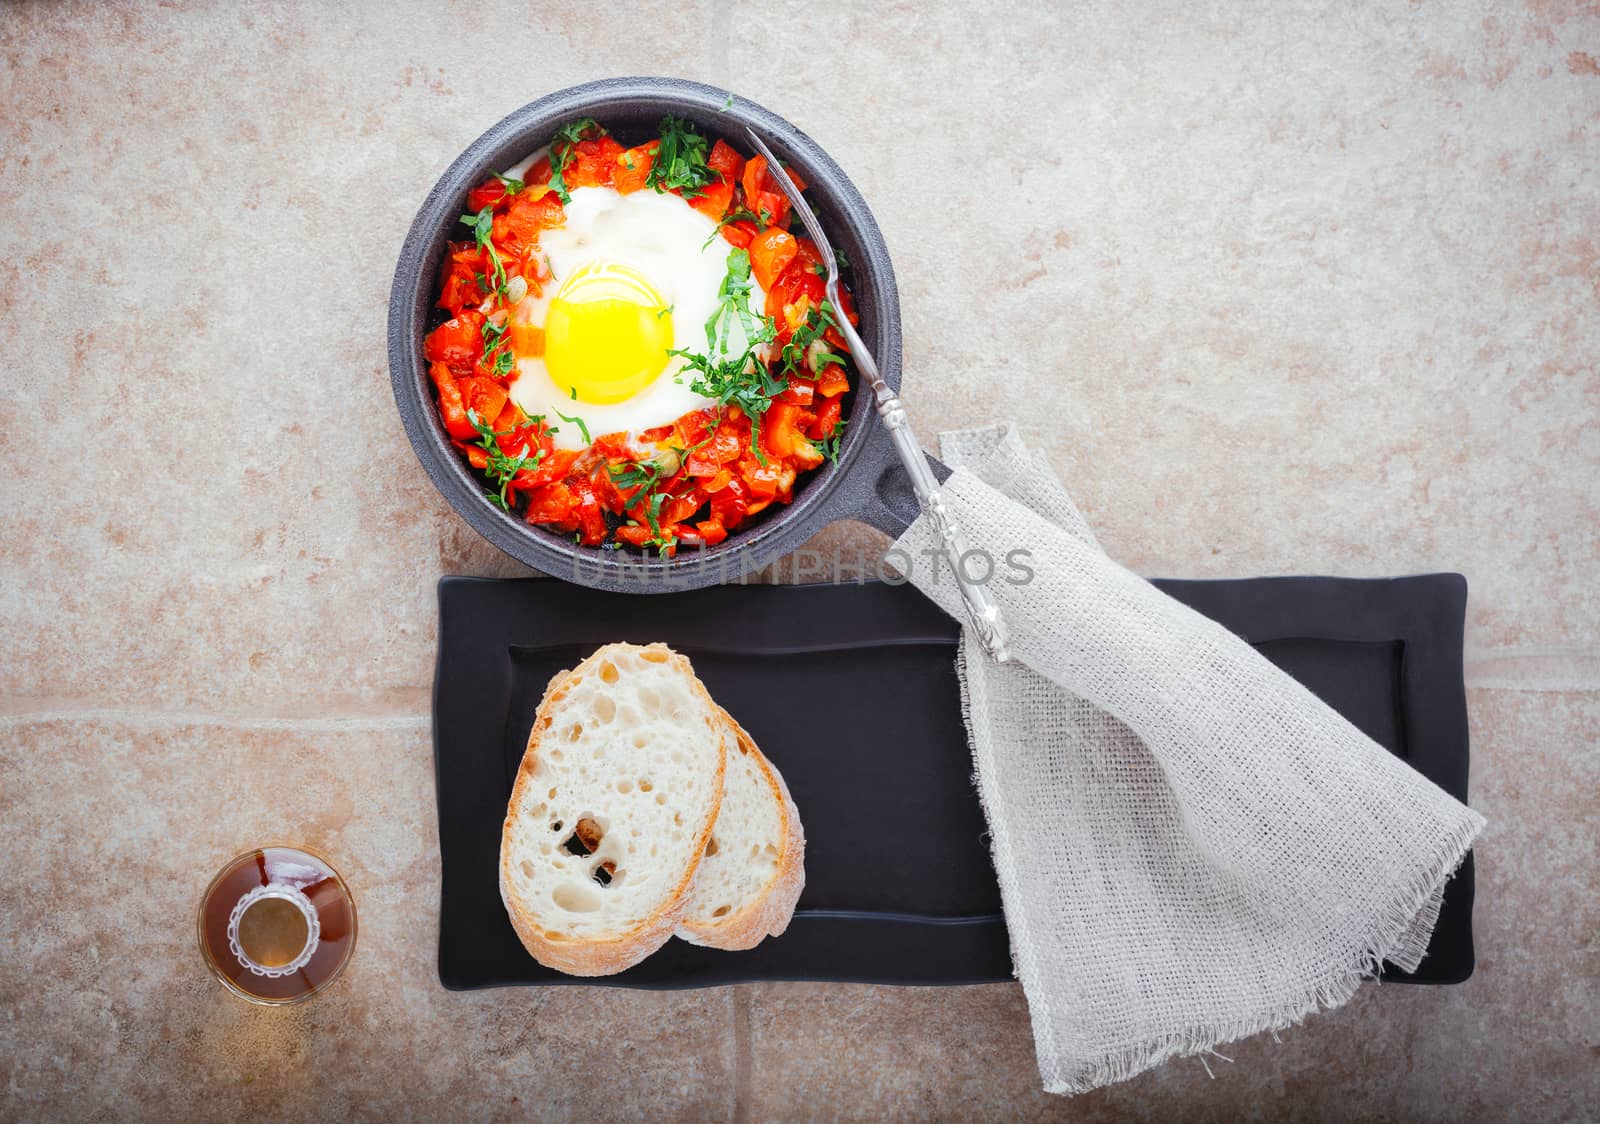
(676, 249)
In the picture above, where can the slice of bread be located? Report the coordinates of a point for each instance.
(754, 866)
(612, 808)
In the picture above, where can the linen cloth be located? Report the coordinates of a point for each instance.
(1191, 846)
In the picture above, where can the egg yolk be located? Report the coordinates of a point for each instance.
(607, 334)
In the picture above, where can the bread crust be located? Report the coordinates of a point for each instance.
(612, 953)
(769, 914)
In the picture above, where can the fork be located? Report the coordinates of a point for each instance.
(982, 613)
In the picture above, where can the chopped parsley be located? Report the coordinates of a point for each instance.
(497, 354)
(796, 354)
(578, 421)
(680, 163)
(482, 225)
(738, 379)
(735, 214)
(500, 468)
(831, 443)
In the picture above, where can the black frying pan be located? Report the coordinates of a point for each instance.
(867, 483)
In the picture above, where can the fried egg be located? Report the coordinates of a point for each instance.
(633, 278)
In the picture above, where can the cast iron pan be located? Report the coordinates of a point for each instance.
(867, 483)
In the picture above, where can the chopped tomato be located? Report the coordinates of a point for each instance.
(528, 214)
(827, 419)
(551, 503)
(554, 466)
(484, 397)
(539, 172)
(638, 534)
(711, 531)
(713, 199)
(510, 417)
(725, 158)
(591, 518)
(771, 251)
(798, 393)
(791, 297)
(831, 381)
(731, 503)
(694, 426)
(592, 163)
(489, 193)
(739, 233)
(633, 167)
(454, 412)
(763, 480)
(457, 343)
(773, 206)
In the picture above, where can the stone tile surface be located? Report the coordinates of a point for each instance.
(1288, 288)
(113, 831)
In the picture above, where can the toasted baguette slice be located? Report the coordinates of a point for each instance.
(754, 867)
(612, 808)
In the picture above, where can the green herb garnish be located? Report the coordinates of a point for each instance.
(796, 354)
(482, 225)
(735, 214)
(496, 348)
(831, 443)
(500, 468)
(680, 162)
(583, 429)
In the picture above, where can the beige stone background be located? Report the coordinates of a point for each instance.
(1281, 288)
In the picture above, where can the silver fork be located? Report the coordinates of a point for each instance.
(982, 613)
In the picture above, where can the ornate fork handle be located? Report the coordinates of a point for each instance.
(982, 612)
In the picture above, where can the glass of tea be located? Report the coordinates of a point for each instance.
(277, 924)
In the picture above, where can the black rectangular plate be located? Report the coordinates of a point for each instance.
(851, 691)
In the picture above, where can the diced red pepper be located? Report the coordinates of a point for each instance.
(633, 167)
(798, 393)
(484, 397)
(777, 430)
(739, 233)
(771, 251)
(591, 163)
(761, 479)
(774, 206)
(725, 158)
(832, 381)
(713, 199)
(754, 179)
(827, 419)
(730, 503)
(711, 531)
(457, 343)
(454, 411)
(551, 503)
(533, 210)
(489, 193)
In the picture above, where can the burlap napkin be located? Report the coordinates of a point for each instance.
(1191, 846)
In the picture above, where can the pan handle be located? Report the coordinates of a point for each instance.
(889, 503)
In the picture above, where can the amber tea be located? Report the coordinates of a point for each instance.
(277, 924)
